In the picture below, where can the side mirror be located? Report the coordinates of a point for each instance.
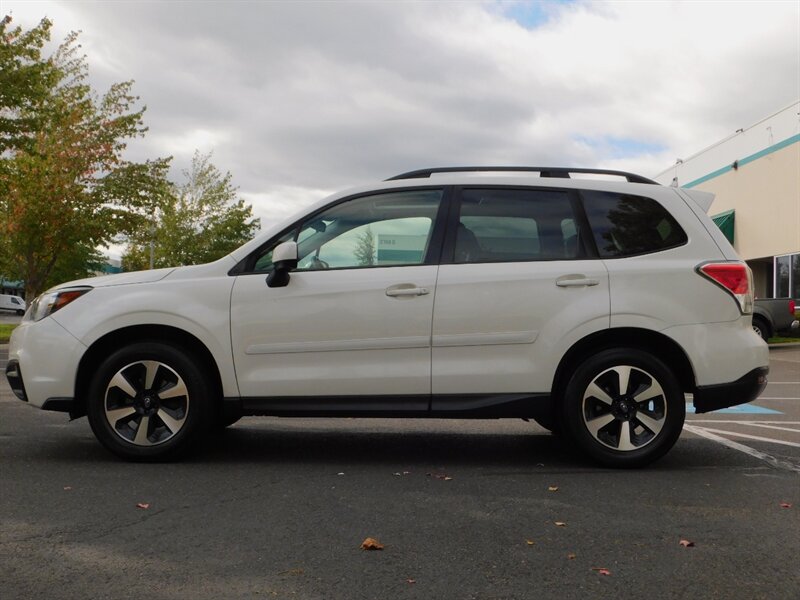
(284, 259)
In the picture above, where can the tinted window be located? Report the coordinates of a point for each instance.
(497, 225)
(625, 225)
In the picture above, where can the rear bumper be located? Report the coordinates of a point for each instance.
(743, 390)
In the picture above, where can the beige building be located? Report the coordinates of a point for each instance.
(755, 175)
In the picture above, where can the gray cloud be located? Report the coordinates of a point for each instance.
(300, 98)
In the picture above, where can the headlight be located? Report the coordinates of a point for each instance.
(49, 302)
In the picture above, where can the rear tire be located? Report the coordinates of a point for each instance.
(623, 408)
(20, 313)
(149, 401)
(761, 327)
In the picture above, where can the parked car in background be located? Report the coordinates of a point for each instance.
(15, 303)
(774, 315)
(591, 304)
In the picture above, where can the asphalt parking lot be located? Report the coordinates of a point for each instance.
(465, 509)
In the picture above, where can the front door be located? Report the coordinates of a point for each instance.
(355, 317)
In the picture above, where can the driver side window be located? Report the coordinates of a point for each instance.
(372, 231)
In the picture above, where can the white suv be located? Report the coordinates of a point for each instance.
(589, 304)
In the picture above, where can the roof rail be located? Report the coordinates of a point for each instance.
(543, 172)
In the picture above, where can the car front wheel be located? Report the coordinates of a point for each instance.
(623, 408)
(149, 401)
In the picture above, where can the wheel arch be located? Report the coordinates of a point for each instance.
(653, 342)
(112, 341)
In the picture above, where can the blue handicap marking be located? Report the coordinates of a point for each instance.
(741, 409)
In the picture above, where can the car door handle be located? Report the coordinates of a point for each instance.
(576, 281)
(406, 291)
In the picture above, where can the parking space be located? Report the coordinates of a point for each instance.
(278, 508)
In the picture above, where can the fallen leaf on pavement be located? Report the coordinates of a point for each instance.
(371, 544)
(572, 556)
(69, 487)
(411, 581)
(783, 504)
(687, 544)
(601, 570)
(552, 488)
(530, 542)
(560, 524)
(144, 505)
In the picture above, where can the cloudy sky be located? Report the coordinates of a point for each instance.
(300, 99)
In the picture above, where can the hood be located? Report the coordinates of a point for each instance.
(120, 279)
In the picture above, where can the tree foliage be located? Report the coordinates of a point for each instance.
(365, 248)
(198, 221)
(65, 188)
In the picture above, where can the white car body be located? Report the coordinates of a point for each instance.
(468, 334)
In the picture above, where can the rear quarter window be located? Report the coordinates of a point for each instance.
(626, 225)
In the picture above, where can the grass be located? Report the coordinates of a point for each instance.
(5, 333)
(783, 340)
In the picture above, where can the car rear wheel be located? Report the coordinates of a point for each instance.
(149, 401)
(623, 408)
(761, 327)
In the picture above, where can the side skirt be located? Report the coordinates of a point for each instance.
(447, 406)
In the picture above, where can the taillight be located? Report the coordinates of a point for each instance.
(792, 307)
(735, 278)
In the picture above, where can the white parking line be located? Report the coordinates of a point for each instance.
(744, 422)
(765, 426)
(751, 437)
(771, 460)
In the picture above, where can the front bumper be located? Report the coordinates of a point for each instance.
(743, 390)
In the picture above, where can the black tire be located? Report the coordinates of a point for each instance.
(761, 327)
(175, 420)
(20, 313)
(549, 422)
(625, 432)
(224, 422)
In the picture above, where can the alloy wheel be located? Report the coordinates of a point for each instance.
(146, 403)
(624, 408)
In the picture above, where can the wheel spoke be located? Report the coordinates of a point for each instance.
(172, 424)
(597, 424)
(652, 392)
(652, 424)
(141, 432)
(179, 389)
(151, 368)
(624, 373)
(119, 381)
(120, 413)
(595, 391)
(625, 436)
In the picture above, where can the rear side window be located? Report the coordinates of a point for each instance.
(510, 225)
(624, 225)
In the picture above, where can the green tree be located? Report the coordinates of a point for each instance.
(200, 221)
(25, 81)
(64, 186)
(365, 248)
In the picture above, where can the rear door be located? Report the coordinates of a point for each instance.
(517, 286)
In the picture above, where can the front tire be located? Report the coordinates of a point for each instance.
(149, 401)
(623, 408)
